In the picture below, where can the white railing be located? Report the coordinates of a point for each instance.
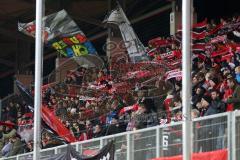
(221, 131)
(235, 135)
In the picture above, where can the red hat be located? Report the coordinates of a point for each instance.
(7, 123)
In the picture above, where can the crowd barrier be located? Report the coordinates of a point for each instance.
(236, 135)
(211, 134)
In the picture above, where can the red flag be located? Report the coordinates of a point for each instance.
(198, 47)
(54, 123)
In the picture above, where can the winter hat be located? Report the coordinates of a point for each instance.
(215, 80)
(207, 98)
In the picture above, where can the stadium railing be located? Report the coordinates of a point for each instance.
(235, 135)
(211, 133)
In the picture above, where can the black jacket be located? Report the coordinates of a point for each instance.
(215, 107)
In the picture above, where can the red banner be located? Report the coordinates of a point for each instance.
(52, 121)
(214, 155)
(176, 73)
(219, 39)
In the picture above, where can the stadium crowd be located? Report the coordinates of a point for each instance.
(93, 103)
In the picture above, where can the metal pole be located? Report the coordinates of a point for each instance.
(232, 134)
(38, 80)
(158, 142)
(229, 133)
(129, 152)
(186, 81)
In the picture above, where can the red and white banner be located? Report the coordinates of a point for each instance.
(176, 73)
(227, 57)
(167, 55)
(197, 26)
(197, 36)
(175, 63)
(200, 24)
(217, 28)
(221, 52)
(137, 74)
(219, 39)
(214, 155)
(172, 54)
(198, 47)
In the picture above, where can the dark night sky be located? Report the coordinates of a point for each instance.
(211, 9)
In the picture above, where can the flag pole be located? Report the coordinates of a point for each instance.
(38, 80)
(186, 81)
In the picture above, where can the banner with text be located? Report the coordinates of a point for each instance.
(61, 33)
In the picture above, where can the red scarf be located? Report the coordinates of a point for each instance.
(221, 52)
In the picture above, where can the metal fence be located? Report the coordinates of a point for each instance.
(236, 136)
(210, 133)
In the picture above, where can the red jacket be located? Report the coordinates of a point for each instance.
(228, 93)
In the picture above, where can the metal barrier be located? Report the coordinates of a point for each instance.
(170, 143)
(221, 131)
(210, 133)
(236, 136)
